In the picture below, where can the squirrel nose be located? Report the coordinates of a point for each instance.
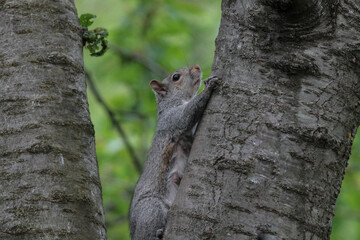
(197, 67)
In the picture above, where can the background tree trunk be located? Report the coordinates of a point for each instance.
(49, 182)
(271, 150)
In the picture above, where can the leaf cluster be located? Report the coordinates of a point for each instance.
(94, 40)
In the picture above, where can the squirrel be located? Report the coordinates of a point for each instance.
(179, 110)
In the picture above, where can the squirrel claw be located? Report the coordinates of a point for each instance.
(211, 81)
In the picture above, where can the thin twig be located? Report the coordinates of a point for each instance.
(132, 114)
(115, 123)
(143, 61)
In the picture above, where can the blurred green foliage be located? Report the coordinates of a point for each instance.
(172, 34)
(346, 223)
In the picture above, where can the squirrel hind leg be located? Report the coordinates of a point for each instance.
(172, 186)
(150, 220)
(176, 178)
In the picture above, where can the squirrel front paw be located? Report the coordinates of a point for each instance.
(211, 81)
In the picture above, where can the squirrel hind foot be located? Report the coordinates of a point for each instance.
(159, 234)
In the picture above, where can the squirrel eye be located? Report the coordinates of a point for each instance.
(176, 77)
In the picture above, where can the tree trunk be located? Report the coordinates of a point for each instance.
(270, 153)
(50, 187)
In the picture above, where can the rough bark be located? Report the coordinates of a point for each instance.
(49, 180)
(270, 153)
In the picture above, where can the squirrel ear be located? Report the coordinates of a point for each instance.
(158, 87)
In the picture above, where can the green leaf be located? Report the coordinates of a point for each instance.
(86, 19)
(92, 36)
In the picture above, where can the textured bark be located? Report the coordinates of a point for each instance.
(270, 153)
(49, 182)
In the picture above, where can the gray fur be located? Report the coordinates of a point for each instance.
(179, 111)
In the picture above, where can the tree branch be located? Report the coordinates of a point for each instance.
(143, 61)
(115, 123)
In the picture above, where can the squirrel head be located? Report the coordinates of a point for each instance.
(181, 84)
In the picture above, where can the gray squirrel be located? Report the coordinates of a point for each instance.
(179, 110)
